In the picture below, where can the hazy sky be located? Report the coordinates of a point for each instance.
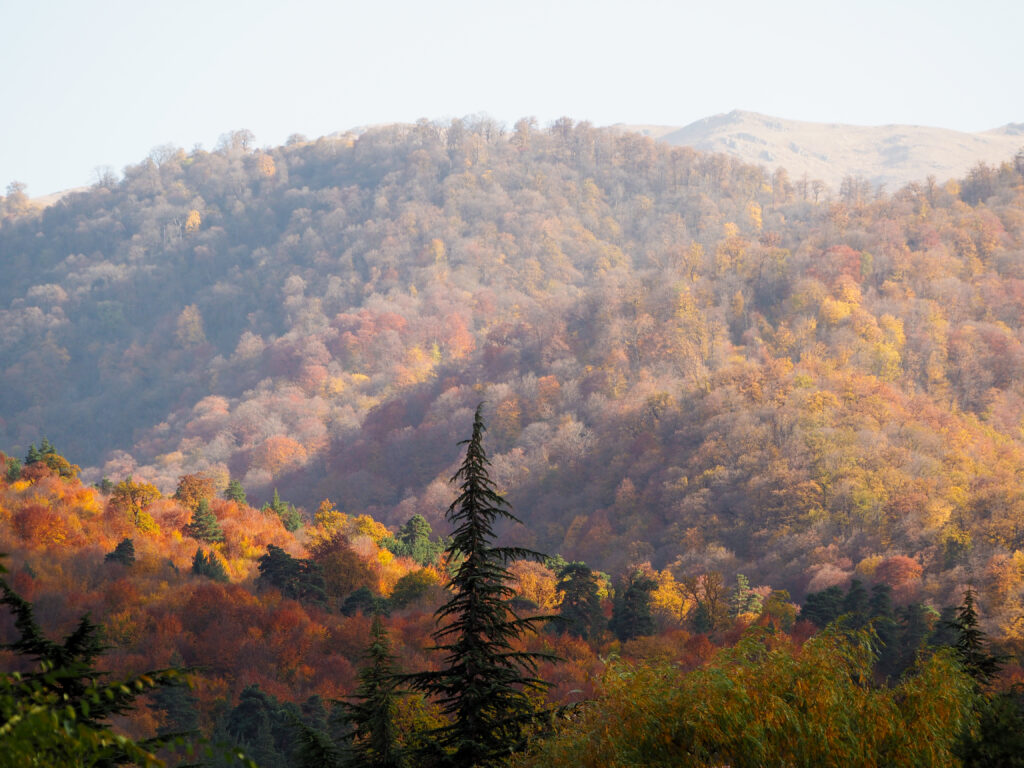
(86, 84)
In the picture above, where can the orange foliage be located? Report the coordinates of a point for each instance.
(276, 454)
(195, 488)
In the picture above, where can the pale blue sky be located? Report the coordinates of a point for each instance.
(86, 83)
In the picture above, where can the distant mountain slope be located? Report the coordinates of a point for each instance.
(893, 155)
(684, 359)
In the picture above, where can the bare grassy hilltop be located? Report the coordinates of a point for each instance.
(893, 155)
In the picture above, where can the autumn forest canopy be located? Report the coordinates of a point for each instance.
(729, 408)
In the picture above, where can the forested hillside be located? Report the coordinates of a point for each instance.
(684, 362)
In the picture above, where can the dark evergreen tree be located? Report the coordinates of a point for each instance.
(972, 644)
(484, 684)
(13, 469)
(33, 455)
(915, 625)
(855, 606)
(204, 525)
(289, 515)
(235, 492)
(883, 619)
(46, 448)
(998, 739)
(66, 679)
(364, 601)
(297, 578)
(209, 565)
(260, 725)
(945, 633)
(824, 607)
(124, 553)
(373, 738)
(580, 611)
(314, 748)
(180, 708)
(631, 609)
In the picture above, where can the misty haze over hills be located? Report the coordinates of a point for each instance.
(893, 155)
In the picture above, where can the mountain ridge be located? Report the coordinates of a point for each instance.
(893, 155)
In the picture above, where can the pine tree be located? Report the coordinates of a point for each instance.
(58, 713)
(297, 578)
(290, 518)
(235, 492)
(972, 645)
(484, 684)
(13, 469)
(124, 553)
(204, 525)
(371, 716)
(824, 607)
(208, 565)
(743, 598)
(580, 610)
(631, 610)
(33, 455)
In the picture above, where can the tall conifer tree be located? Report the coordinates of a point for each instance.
(204, 525)
(374, 738)
(484, 683)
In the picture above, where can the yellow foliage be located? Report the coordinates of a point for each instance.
(867, 566)
(833, 311)
(20, 485)
(384, 557)
(193, 221)
(267, 166)
(170, 459)
(328, 518)
(364, 525)
(437, 250)
(669, 599)
(87, 503)
(754, 214)
(536, 583)
(847, 290)
(892, 327)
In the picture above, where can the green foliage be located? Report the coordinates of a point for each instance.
(370, 715)
(631, 609)
(998, 737)
(363, 601)
(124, 553)
(413, 540)
(13, 469)
(972, 645)
(580, 609)
(57, 715)
(413, 587)
(235, 492)
(204, 525)
(483, 684)
(290, 517)
(297, 578)
(824, 607)
(263, 727)
(743, 599)
(209, 565)
(768, 702)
